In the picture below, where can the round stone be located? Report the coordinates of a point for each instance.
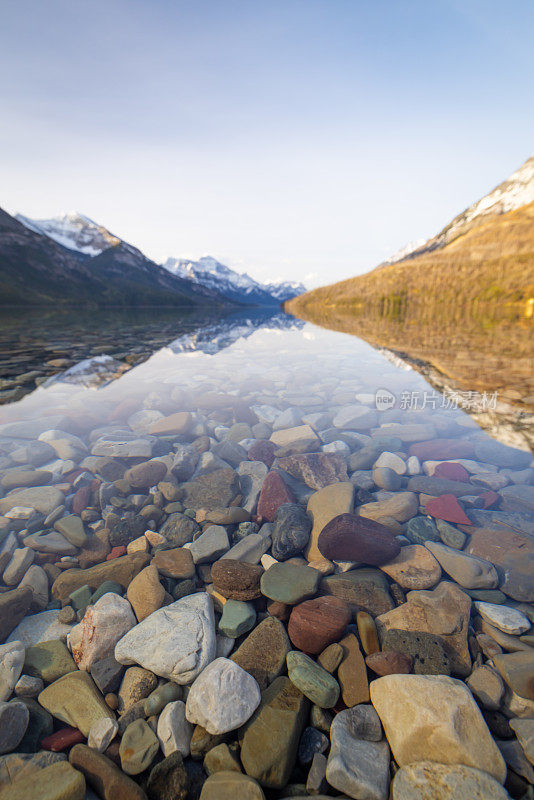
(13, 723)
(138, 748)
(351, 538)
(223, 697)
(236, 580)
(414, 568)
(146, 474)
(316, 623)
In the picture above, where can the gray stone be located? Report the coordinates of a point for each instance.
(19, 564)
(210, 545)
(174, 731)
(43, 627)
(223, 697)
(11, 663)
(291, 531)
(14, 718)
(251, 477)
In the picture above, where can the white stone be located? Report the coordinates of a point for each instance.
(210, 545)
(391, 461)
(223, 697)
(102, 733)
(289, 418)
(336, 447)
(102, 626)
(176, 642)
(506, 619)
(11, 663)
(413, 466)
(41, 627)
(356, 766)
(174, 731)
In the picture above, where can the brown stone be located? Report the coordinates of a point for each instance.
(279, 610)
(322, 507)
(145, 592)
(122, 570)
(175, 563)
(351, 538)
(316, 470)
(177, 423)
(262, 450)
(414, 568)
(263, 652)
(14, 605)
(364, 589)
(331, 657)
(352, 673)
(443, 612)
(274, 493)
(496, 545)
(95, 550)
(236, 580)
(316, 623)
(389, 662)
(102, 775)
(367, 632)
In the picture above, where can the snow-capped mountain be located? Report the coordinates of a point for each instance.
(514, 192)
(209, 272)
(74, 231)
(82, 235)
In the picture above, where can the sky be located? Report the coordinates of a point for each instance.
(298, 139)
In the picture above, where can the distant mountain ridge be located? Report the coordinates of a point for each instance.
(484, 255)
(209, 272)
(37, 270)
(82, 235)
(514, 192)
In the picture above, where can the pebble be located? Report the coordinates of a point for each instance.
(411, 705)
(28, 686)
(316, 623)
(223, 697)
(358, 765)
(316, 470)
(312, 680)
(176, 642)
(14, 718)
(290, 532)
(102, 733)
(138, 748)
(352, 673)
(414, 568)
(102, 626)
(43, 627)
(104, 775)
(237, 618)
(274, 493)
(174, 731)
(210, 545)
(19, 564)
(506, 619)
(468, 571)
(487, 686)
(351, 538)
(289, 583)
(322, 507)
(237, 580)
(145, 593)
(11, 664)
(75, 699)
(227, 785)
(55, 782)
(428, 780)
(263, 652)
(48, 660)
(389, 662)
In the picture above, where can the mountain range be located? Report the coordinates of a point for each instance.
(484, 255)
(71, 258)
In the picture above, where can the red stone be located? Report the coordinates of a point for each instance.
(274, 493)
(488, 499)
(389, 662)
(497, 545)
(454, 472)
(314, 624)
(262, 450)
(116, 552)
(81, 499)
(448, 508)
(351, 538)
(62, 739)
(442, 449)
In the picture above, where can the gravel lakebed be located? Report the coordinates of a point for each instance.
(232, 576)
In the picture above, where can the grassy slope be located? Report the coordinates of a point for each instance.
(491, 264)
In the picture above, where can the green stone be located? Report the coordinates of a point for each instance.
(75, 699)
(72, 529)
(289, 583)
(237, 618)
(80, 598)
(104, 588)
(270, 739)
(450, 535)
(158, 699)
(313, 681)
(487, 595)
(48, 660)
(138, 748)
(420, 530)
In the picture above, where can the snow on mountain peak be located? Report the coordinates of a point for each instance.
(74, 231)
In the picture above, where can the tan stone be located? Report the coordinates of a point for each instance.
(414, 568)
(121, 569)
(301, 439)
(180, 422)
(435, 718)
(57, 782)
(229, 785)
(517, 669)
(145, 592)
(323, 506)
(428, 780)
(367, 632)
(75, 699)
(352, 673)
(401, 506)
(444, 612)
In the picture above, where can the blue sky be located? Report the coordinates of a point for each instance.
(307, 139)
